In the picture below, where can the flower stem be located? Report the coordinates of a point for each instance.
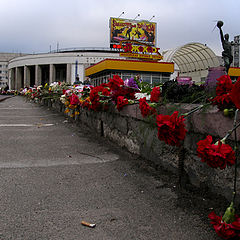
(230, 132)
(195, 109)
(236, 148)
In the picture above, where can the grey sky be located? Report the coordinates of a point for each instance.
(33, 25)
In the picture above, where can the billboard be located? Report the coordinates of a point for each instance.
(127, 29)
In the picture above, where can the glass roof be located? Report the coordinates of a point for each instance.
(192, 57)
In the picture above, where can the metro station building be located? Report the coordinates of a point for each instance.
(138, 56)
(98, 64)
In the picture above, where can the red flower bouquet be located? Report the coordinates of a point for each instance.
(171, 129)
(155, 94)
(223, 90)
(215, 155)
(224, 85)
(235, 93)
(121, 102)
(115, 82)
(146, 110)
(74, 100)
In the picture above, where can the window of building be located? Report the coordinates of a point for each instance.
(155, 79)
(146, 78)
(126, 76)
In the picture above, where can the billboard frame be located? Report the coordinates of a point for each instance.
(132, 24)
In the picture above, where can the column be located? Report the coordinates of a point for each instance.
(26, 76)
(11, 79)
(38, 75)
(17, 79)
(69, 73)
(52, 74)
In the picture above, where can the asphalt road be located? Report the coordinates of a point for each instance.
(53, 175)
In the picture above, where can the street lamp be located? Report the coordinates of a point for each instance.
(121, 14)
(136, 16)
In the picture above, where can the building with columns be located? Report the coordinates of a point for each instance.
(191, 60)
(236, 51)
(64, 66)
(4, 59)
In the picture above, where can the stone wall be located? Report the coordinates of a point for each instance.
(129, 130)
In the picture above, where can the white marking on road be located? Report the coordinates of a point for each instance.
(32, 116)
(10, 108)
(75, 160)
(27, 125)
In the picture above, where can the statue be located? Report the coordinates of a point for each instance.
(227, 47)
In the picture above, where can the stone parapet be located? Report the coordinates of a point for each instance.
(128, 129)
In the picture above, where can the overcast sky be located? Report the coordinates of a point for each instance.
(32, 26)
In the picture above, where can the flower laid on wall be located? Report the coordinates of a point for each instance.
(145, 108)
(217, 155)
(155, 95)
(171, 129)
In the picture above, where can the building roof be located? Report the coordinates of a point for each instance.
(130, 65)
(234, 71)
(192, 57)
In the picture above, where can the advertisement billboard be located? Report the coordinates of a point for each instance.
(139, 30)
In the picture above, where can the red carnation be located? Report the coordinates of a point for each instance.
(105, 92)
(223, 90)
(121, 102)
(146, 110)
(155, 94)
(222, 101)
(215, 155)
(225, 230)
(235, 93)
(74, 99)
(87, 104)
(115, 82)
(94, 97)
(171, 129)
(128, 93)
(224, 85)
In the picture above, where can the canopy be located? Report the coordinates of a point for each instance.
(192, 57)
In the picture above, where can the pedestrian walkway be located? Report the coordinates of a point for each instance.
(3, 97)
(53, 175)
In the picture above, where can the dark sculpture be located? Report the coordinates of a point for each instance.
(227, 47)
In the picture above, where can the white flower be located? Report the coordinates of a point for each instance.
(142, 95)
(63, 99)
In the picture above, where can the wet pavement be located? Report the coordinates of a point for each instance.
(54, 174)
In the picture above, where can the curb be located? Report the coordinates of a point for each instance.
(2, 99)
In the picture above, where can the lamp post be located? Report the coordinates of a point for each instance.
(137, 16)
(76, 69)
(121, 14)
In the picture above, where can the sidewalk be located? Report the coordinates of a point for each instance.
(55, 174)
(3, 97)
